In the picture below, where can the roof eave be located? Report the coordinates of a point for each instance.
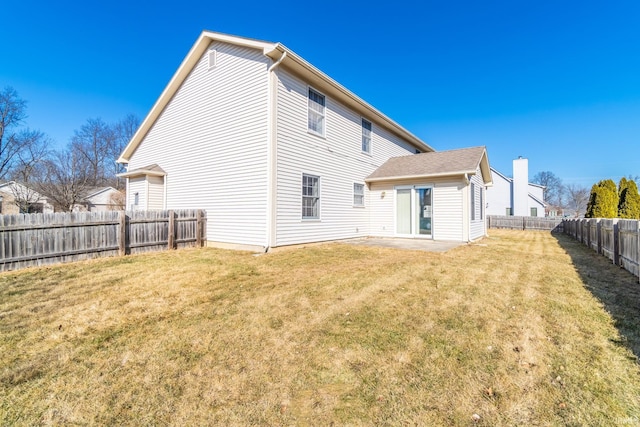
(140, 172)
(421, 176)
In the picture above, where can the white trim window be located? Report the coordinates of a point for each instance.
(212, 56)
(316, 112)
(358, 194)
(473, 201)
(366, 136)
(310, 197)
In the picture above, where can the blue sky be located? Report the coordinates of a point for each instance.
(557, 82)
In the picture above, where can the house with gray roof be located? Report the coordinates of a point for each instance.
(515, 196)
(278, 153)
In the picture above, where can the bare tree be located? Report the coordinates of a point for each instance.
(117, 201)
(17, 146)
(27, 170)
(94, 142)
(66, 179)
(577, 198)
(554, 191)
(124, 131)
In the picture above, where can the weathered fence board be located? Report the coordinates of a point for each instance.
(38, 239)
(628, 245)
(609, 239)
(524, 223)
(617, 239)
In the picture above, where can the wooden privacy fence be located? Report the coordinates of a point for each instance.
(617, 239)
(37, 239)
(524, 223)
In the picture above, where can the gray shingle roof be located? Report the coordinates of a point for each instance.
(437, 163)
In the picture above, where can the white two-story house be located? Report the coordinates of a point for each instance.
(278, 153)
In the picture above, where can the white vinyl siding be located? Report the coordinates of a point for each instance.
(211, 139)
(156, 192)
(337, 159)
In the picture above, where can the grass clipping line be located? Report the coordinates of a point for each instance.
(527, 328)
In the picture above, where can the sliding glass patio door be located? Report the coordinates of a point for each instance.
(414, 211)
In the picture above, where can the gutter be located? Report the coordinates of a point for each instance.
(434, 175)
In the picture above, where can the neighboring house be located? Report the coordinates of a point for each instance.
(16, 198)
(101, 199)
(278, 154)
(515, 196)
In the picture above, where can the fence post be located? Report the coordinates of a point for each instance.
(599, 235)
(638, 248)
(199, 228)
(616, 243)
(122, 233)
(172, 231)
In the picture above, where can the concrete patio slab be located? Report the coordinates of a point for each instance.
(408, 244)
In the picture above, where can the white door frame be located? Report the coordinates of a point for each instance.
(415, 233)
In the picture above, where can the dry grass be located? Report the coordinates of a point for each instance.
(508, 329)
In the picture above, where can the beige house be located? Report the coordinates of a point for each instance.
(16, 198)
(278, 153)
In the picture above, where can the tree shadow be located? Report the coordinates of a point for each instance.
(617, 289)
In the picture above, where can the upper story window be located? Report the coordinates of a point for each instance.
(316, 112)
(366, 136)
(358, 194)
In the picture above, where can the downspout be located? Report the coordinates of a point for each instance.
(465, 206)
(271, 151)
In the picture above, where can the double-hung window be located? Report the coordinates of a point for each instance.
(366, 136)
(310, 197)
(358, 194)
(316, 112)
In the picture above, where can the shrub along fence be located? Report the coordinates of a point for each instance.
(524, 223)
(38, 239)
(617, 239)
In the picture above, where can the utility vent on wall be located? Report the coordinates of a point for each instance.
(212, 58)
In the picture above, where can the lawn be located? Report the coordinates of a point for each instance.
(523, 328)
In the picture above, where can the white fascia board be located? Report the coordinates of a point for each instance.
(426, 176)
(140, 172)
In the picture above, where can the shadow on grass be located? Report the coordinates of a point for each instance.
(617, 289)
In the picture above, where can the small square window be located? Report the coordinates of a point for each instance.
(534, 211)
(366, 136)
(358, 194)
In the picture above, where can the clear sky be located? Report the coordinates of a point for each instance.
(555, 81)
